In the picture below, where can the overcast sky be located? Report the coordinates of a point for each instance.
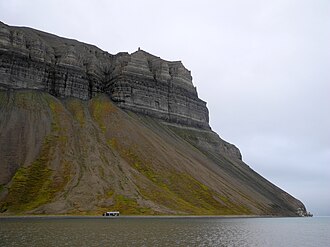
(262, 66)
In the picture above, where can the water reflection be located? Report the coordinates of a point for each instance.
(164, 232)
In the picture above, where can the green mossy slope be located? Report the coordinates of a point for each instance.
(87, 157)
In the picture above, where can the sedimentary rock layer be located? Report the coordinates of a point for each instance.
(139, 81)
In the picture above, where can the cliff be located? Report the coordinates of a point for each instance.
(139, 81)
(83, 131)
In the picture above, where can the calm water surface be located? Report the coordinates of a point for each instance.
(78, 231)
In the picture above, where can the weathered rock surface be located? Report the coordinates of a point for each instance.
(65, 147)
(139, 82)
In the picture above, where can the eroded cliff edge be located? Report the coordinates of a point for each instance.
(140, 82)
(66, 148)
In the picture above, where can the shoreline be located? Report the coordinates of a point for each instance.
(140, 216)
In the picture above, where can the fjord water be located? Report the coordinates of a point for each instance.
(88, 231)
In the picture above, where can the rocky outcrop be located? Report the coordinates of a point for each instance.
(139, 82)
(66, 148)
(147, 84)
(37, 60)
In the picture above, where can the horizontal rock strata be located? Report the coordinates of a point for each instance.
(139, 82)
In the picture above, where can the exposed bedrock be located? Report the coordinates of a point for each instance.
(139, 82)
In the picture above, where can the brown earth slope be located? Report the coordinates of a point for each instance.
(72, 156)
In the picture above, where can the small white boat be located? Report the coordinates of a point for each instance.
(112, 213)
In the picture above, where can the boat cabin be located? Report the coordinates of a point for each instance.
(113, 213)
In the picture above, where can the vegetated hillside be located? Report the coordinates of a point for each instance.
(72, 156)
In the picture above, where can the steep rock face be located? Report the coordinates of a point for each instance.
(152, 86)
(62, 67)
(66, 148)
(139, 82)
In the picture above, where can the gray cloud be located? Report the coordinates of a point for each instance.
(262, 66)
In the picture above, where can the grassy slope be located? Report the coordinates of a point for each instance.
(92, 156)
